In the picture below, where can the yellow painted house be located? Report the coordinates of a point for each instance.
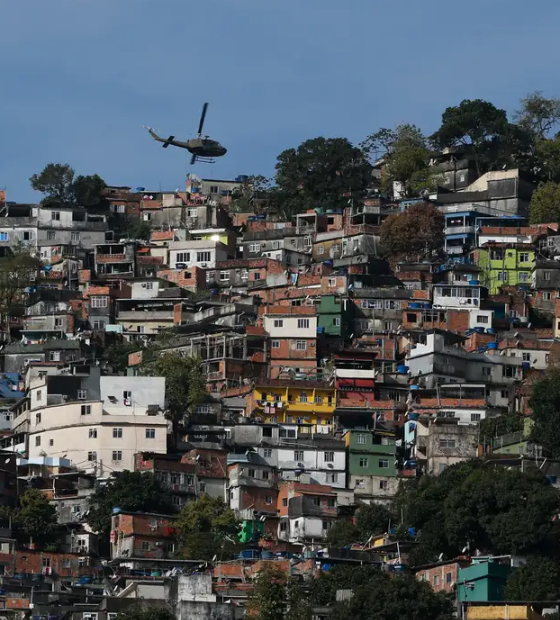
(295, 402)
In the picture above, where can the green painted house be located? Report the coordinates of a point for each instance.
(335, 315)
(504, 264)
(482, 581)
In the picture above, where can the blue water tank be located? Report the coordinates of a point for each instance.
(474, 282)
(414, 387)
(490, 330)
(402, 369)
(320, 330)
(525, 365)
(140, 189)
(267, 555)
(116, 510)
(479, 330)
(415, 305)
(413, 415)
(492, 345)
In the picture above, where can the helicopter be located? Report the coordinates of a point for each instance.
(202, 149)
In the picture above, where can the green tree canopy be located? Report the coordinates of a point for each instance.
(374, 519)
(276, 596)
(406, 154)
(538, 580)
(545, 203)
(476, 124)
(61, 187)
(36, 517)
(343, 533)
(538, 114)
(376, 595)
(143, 611)
(128, 490)
(207, 527)
(501, 425)
(185, 386)
(545, 403)
(414, 234)
(139, 229)
(323, 172)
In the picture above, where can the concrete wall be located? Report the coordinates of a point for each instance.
(145, 391)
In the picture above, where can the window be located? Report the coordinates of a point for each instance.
(265, 475)
(176, 500)
(318, 400)
(254, 247)
(117, 433)
(203, 257)
(331, 282)
(267, 453)
(51, 235)
(475, 417)
(329, 457)
(332, 478)
(214, 189)
(192, 213)
(502, 276)
(268, 500)
(224, 276)
(283, 526)
(482, 318)
(436, 580)
(524, 257)
(303, 323)
(307, 241)
(251, 473)
(546, 276)
(275, 344)
(284, 501)
(303, 397)
(146, 217)
(360, 483)
(320, 249)
(127, 396)
(82, 394)
(364, 462)
(93, 433)
(361, 439)
(383, 463)
(150, 433)
(183, 257)
(301, 345)
(55, 216)
(244, 274)
(54, 356)
(508, 371)
(256, 276)
(86, 410)
(526, 357)
(298, 455)
(336, 321)
(51, 442)
(486, 371)
(547, 296)
(39, 395)
(99, 301)
(276, 245)
(58, 322)
(524, 276)
(448, 577)
(278, 322)
(37, 418)
(75, 237)
(117, 455)
(145, 545)
(38, 440)
(383, 485)
(447, 444)
(92, 456)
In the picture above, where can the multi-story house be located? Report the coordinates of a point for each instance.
(504, 264)
(545, 285)
(115, 260)
(204, 253)
(17, 357)
(379, 310)
(281, 401)
(372, 463)
(252, 486)
(99, 423)
(141, 536)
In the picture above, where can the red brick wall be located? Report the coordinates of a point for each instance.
(441, 573)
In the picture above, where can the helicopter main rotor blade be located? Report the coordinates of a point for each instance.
(193, 159)
(202, 117)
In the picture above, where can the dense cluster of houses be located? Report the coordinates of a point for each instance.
(333, 377)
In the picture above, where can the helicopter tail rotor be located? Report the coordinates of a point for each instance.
(202, 117)
(168, 141)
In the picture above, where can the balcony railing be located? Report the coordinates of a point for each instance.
(459, 230)
(453, 249)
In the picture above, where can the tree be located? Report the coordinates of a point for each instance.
(128, 490)
(537, 114)
(545, 203)
(376, 595)
(144, 611)
(406, 154)
(374, 519)
(36, 518)
(323, 172)
(253, 193)
(415, 234)
(207, 528)
(538, 580)
(343, 533)
(502, 511)
(545, 403)
(117, 354)
(61, 187)
(139, 229)
(56, 181)
(547, 158)
(184, 383)
(501, 425)
(19, 271)
(476, 124)
(88, 192)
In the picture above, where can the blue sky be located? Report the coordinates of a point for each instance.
(79, 78)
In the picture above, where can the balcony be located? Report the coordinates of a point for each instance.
(110, 258)
(146, 315)
(454, 249)
(305, 507)
(459, 230)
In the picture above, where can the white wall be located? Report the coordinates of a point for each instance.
(474, 316)
(462, 297)
(307, 527)
(216, 249)
(538, 358)
(288, 328)
(145, 290)
(145, 391)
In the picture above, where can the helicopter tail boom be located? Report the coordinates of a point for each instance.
(168, 141)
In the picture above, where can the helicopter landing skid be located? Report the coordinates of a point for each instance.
(205, 160)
